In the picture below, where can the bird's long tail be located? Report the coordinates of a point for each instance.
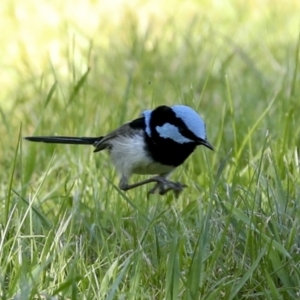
(65, 140)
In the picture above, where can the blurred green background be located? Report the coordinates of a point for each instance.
(85, 67)
(104, 60)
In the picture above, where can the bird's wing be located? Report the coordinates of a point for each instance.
(105, 143)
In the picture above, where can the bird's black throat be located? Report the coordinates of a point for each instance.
(163, 150)
(168, 152)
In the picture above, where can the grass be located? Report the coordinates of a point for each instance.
(67, 232)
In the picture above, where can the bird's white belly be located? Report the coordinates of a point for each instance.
(129, 157)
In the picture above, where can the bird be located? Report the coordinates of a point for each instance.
(155, 143)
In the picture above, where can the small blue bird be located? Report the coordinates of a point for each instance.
(156, 143)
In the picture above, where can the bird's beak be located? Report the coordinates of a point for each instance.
(206, 144)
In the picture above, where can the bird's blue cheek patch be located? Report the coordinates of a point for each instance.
(169, 131)
(147, 116)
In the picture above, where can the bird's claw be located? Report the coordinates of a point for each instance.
(177, 188)
(166, 186)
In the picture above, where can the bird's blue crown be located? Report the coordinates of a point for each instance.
(179, 122)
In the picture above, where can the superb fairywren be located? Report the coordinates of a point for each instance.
(156, 143)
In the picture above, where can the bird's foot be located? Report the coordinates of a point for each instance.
(163, 186)
(176, 187)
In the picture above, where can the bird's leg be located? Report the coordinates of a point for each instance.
(162, 184)
(125, 186)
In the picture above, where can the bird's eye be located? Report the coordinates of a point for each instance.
(181, 129)
(185, 132)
